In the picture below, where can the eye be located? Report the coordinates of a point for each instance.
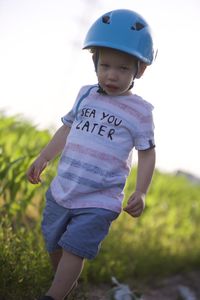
(124, 68)
(104, 65)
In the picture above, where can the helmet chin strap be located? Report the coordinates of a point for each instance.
(101, 90)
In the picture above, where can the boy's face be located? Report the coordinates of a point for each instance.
(115, 71)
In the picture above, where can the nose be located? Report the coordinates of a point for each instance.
(112, 74)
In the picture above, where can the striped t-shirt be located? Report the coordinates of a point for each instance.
(97, 157)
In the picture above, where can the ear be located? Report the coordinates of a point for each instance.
(95, 60)
(141, 68)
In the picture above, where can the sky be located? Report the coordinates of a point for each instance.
(43, 66)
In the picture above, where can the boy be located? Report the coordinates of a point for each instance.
(96, 140)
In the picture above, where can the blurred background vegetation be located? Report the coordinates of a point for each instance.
(163, 242)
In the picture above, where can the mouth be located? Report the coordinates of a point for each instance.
(111, 87)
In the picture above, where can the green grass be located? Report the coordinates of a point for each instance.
(25, 270)
(164, 241)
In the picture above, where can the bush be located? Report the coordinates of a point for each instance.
(154, 245)
(163, 241)
(25, 271)
(20, 143)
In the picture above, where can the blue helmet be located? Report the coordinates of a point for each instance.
(123, 30)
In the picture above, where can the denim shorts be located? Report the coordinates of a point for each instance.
(78, 231)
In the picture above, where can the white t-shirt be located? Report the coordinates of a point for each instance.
(97, 157)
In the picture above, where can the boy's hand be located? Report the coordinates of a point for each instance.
(35, 170)
(136, 204)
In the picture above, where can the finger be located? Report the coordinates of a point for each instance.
(135, 213)
(133, 206)
(134, 201)
(133, 210)
(32, 180)
(36, 174)
(29, 176)
(32, 175)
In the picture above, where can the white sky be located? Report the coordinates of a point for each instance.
(42, 66)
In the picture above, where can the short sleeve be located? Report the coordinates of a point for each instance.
(68, 119)
(144, 138)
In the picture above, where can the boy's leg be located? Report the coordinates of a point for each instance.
(55, 258)
(66, 276)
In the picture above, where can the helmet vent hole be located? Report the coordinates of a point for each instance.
(106, 19)
(137, 26)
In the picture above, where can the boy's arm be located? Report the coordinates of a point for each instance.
(57, 143)
(146, 165)
(52, 149)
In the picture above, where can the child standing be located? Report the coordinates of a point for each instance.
(96, 140)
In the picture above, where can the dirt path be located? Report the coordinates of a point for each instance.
(180, 287)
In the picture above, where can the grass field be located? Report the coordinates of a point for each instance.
(164, 241)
